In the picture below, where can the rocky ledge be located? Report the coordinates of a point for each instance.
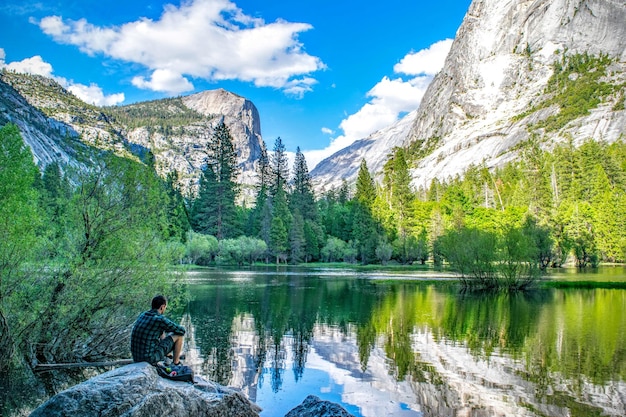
(137, 390)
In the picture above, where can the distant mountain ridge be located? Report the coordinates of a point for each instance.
(493, 93)
(175, 130)
(344, 164)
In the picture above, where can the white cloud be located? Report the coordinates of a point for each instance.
(389, 98)
(93, 94)
(36, 65)
(210, 39)
(327, 131)
(427, 61)
(164, 80)
(297, 88)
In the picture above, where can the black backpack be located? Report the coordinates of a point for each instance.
(176, 372)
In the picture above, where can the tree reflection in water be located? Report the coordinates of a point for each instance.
(548, 352)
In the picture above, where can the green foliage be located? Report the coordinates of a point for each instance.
(213, 211)
(278, 239)
(384, 250)
(279, 169)
(200, 249)
(162, 114)
(240, 251)
(19, 238)
(313, 239)
(486, 260)
(420, 148)
(302, 198)
(576, 87)
(334, 250)
(82, 257)
(365, 190)
(297, 240)
(471, 253)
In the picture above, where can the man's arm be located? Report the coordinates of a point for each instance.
(170, 326)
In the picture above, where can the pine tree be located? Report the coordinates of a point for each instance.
(400, 197)
(364, 227)
(365, 189)
(214, 211)
(296, 238)
(203, 208)
(178, 218)
(278, 239)
(302, 198)
(262, 193)
(313, 239)
(279, 168)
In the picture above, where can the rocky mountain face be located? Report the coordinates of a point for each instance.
(50, 139)
(550, 70)
(344, 165)
(176, 131)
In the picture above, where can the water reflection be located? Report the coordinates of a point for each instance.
(404, 348)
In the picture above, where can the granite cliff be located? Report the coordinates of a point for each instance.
(551, 70)
(60, 127)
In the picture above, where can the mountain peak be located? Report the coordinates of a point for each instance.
(493, 93)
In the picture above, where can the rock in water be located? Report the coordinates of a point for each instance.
(137, 390)
(313, 406)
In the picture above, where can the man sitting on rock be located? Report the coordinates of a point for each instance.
(154, 336)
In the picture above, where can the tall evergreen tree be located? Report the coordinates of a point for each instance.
(262, 193)
(302, 197)
(178, 217)
(400, 196)
(365, 231)
(214, 211)
(279, 168)
(365, 190)
(278, 239)
(297, 240)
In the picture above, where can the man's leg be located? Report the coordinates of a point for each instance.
(178, 347)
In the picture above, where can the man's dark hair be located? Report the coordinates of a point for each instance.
(158, 301)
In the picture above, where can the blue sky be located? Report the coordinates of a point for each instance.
(321, 73)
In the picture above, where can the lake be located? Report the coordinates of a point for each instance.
(393, 344)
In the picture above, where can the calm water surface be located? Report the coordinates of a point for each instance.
(386, 347)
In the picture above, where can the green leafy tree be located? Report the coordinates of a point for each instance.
(19, 239)
(334, 249)
(313, 239)
(473, 254)
(178, 217)
(112, 251)
(200, 249)
(518, 266)
(55, 194)
(384, 250)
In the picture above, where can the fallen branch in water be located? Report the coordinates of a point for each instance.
(43, 367)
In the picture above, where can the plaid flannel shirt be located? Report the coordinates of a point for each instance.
(146, 334)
